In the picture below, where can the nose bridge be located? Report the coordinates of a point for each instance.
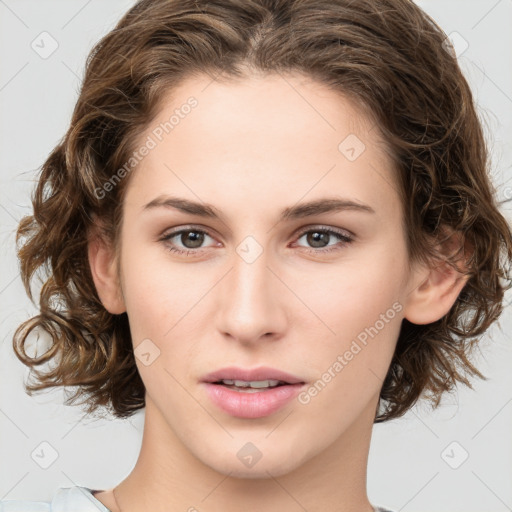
(251, 281)
(250, 304)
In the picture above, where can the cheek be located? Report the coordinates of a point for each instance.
(156, 295)
(361, 320)
(160, 303)
(351, 296)
(356, 314)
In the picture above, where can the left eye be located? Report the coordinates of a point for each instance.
(319, 236)
(192, 239)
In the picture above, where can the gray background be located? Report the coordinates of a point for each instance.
(415, 463)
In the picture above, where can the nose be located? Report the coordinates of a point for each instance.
(252, 301)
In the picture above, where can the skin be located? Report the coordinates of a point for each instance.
(251, 148)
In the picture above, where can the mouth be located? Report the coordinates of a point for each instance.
(257, 378)
(251, 394)
(243, 386)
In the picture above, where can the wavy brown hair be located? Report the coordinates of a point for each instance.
(387, 56)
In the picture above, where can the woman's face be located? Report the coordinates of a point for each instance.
(314, 292)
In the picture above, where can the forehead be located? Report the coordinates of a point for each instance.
(272, 101)
(262, 134)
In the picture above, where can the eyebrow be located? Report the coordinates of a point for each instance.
(299, 211)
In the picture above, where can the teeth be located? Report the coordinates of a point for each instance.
(257, 384)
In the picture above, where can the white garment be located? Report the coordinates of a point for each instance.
(65, 499)
(72, 499)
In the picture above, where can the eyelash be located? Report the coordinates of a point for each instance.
(345, 240)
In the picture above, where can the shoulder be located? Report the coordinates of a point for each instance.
(65, 499)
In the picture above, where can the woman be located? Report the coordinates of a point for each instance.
(270, 224)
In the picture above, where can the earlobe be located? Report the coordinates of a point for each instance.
(437, 291)
(103, 269)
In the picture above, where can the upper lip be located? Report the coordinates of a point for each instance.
(254, 374)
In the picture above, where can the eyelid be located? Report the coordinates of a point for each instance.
(190, 227)
(321, 227)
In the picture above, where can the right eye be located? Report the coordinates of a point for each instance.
(194, 237)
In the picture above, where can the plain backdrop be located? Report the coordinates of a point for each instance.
(455, 459)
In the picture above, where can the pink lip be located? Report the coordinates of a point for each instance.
(251, 405)
(261, 373)
(244, 404)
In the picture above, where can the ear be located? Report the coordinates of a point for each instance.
(437, 286)
(102, 261)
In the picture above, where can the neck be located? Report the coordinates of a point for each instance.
(168, 477)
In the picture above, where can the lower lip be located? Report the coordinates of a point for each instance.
(251, 404)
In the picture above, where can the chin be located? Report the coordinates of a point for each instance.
(261, 472)
(272, 462)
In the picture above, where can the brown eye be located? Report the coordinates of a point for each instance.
(190, 239)
(194, 238)
(320, 238)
